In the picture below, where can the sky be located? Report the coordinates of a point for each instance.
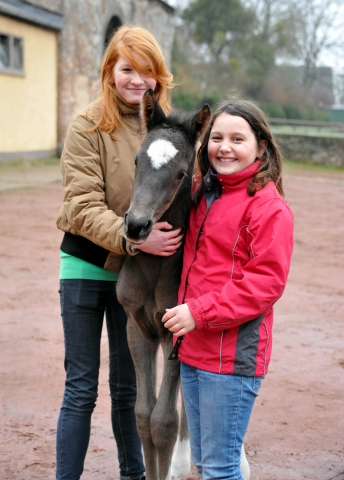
(177, 3)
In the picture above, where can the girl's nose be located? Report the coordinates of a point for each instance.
(225, 147)
(137, 79)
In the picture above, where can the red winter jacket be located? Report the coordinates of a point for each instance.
(236, 263)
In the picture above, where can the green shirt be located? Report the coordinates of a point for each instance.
(73, 267)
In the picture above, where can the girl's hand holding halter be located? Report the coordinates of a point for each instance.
(179, 320)
(162, 243)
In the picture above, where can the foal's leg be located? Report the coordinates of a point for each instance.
(164, 419)
(144, 353)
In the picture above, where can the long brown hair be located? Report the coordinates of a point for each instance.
(271, 164)
(125, 42)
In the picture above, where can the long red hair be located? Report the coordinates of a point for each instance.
(125, 42)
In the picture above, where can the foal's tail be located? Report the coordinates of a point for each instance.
(181, 456)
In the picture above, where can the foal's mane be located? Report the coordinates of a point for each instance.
(178, 120)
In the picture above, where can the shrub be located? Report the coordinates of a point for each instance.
(193, 101)
(185, 101)
(272, 111)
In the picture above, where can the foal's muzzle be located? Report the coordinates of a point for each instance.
(136, 230)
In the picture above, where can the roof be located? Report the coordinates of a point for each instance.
(24, 11)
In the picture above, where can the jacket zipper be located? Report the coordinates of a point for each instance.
(186, 278)
(199, 233)
(213, 198)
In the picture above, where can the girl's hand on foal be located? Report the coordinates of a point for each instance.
(179, 320)
(162, 243)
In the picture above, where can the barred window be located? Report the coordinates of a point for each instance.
(11, 54)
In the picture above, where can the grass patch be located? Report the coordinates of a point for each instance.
(39, 162)
(297, 165)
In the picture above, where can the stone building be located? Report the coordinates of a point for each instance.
(82, 28)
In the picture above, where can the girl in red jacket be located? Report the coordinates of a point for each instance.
(236, 261)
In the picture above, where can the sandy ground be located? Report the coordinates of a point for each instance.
(296, 431)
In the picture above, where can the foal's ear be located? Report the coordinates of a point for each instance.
(200, 122)
(151, 111)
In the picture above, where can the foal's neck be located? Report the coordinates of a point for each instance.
(178, 213)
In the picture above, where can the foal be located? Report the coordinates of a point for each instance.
(148, 284)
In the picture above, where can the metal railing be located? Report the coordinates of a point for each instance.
(311, 124)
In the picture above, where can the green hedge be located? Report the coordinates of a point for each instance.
(193, 101)
(293, 113)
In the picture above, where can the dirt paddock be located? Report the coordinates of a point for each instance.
(297, 428)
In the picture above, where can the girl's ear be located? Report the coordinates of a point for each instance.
(262, 147)
(108, 72)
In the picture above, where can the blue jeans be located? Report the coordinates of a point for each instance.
(83, 303)
(218, 409)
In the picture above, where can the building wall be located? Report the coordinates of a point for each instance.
(81, 46)
(160, 21)
(30, 101)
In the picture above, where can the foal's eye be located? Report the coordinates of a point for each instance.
(135, 160)
(181, 175)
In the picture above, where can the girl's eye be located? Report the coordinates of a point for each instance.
(215, 138)
(238, 139)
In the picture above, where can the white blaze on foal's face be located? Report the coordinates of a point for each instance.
(161, 152)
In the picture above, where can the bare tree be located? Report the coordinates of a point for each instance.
(318, 28)
(271, 37)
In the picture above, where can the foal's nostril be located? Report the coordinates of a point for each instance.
(137, 228)
(147, 227)
(125, 221)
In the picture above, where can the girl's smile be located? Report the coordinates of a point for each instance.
(232, 145)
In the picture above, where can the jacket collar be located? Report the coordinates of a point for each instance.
(241, 179)
(127, 109)
(216, 184)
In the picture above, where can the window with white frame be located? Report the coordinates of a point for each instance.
(11, 54)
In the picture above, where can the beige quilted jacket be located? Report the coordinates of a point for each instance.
(98, 175)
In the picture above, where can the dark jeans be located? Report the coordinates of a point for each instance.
(83, 303)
